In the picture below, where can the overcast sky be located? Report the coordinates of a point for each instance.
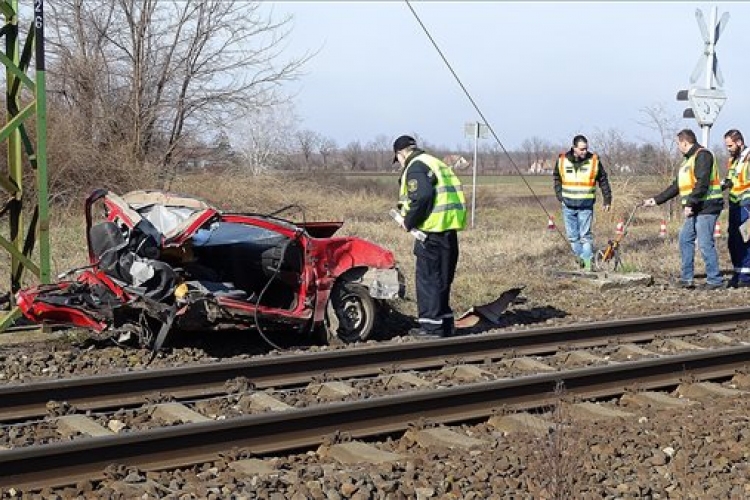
(546, 69)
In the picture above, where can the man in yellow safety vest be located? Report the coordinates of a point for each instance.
(698, 185)
(575, 177)
(738, 183)
(431, 200)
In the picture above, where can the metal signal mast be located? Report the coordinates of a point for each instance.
(25, 135)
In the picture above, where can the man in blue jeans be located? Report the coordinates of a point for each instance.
(699, 187)
(576, 175)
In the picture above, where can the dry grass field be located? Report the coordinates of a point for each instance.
(509, 246)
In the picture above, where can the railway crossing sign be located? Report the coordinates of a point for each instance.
(708, 60)
(706, 101)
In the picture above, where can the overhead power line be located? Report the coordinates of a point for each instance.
(478, 110)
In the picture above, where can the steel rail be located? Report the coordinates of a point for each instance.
(168, 447)
(118, 390)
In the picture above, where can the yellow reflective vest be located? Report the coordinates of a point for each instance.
(686, 180)
(449, 205)
(578, 183)
(739, 172)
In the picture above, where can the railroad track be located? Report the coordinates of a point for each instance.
(275, 432)
(169, 447)
(113, 391)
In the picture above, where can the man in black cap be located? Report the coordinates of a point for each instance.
(431, 200)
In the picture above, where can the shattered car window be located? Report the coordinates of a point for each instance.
(228, 233)
(166, 219)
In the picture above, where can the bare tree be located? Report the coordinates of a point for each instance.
(666, 126)
(537, 150)
(382, 152)
(648, 156)
(149, 73)
(353, 155)
(496, 157)
(264, 139)
(326, 147)
(79, 63)
(307, 141)
(616, 152)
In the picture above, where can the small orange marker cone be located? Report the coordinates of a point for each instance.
(551, 224)
(663, 229)
(717, 230)
(620, 229)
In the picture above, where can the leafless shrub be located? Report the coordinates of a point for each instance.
(555, 471)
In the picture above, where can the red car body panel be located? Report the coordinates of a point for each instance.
(40, 309)
(323, 260)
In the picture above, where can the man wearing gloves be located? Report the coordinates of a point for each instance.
(431, 200)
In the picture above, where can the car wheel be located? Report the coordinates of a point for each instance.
(350, 314)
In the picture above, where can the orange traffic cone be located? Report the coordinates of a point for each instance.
(551, 224)
(717, 230)
(620, 229)
(663, 229)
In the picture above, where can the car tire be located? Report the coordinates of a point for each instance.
(350, 314)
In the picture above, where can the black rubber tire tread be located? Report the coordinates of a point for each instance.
(344, 296)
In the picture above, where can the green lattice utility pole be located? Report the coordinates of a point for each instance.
(26, 112)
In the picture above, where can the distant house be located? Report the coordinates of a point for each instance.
(540, 167)
(623, 169)
(457, 162)
(218, 157)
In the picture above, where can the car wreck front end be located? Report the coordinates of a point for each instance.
(161, 263)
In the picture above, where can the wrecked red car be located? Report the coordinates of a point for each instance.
(161, 263)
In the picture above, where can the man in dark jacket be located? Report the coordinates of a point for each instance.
(738, 183)
(699, 187)
(431, 200)
(576, 175)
